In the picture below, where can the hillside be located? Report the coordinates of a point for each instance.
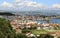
(6, 13)
(6, 30)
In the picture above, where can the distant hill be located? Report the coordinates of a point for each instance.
(41, 12)
(6, 13)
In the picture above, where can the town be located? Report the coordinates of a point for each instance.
(29, 18)
(31, 28)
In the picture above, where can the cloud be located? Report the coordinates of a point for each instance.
(20, 1)
(34, 4)
(56, 6)
(6, 4)
(22, 5)
(16, 1)
(28, 3)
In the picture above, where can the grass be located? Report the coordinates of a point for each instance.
(37, 32)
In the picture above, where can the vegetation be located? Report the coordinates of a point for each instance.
(6, 13)
(37, 32)
(6, 30)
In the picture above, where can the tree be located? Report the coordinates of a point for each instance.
(6, 30)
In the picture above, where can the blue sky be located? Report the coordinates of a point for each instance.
(29, 4)
(6, 0)
(48, 2)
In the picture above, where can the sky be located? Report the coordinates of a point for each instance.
(25, 5)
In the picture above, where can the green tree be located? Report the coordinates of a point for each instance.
(6, 30)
